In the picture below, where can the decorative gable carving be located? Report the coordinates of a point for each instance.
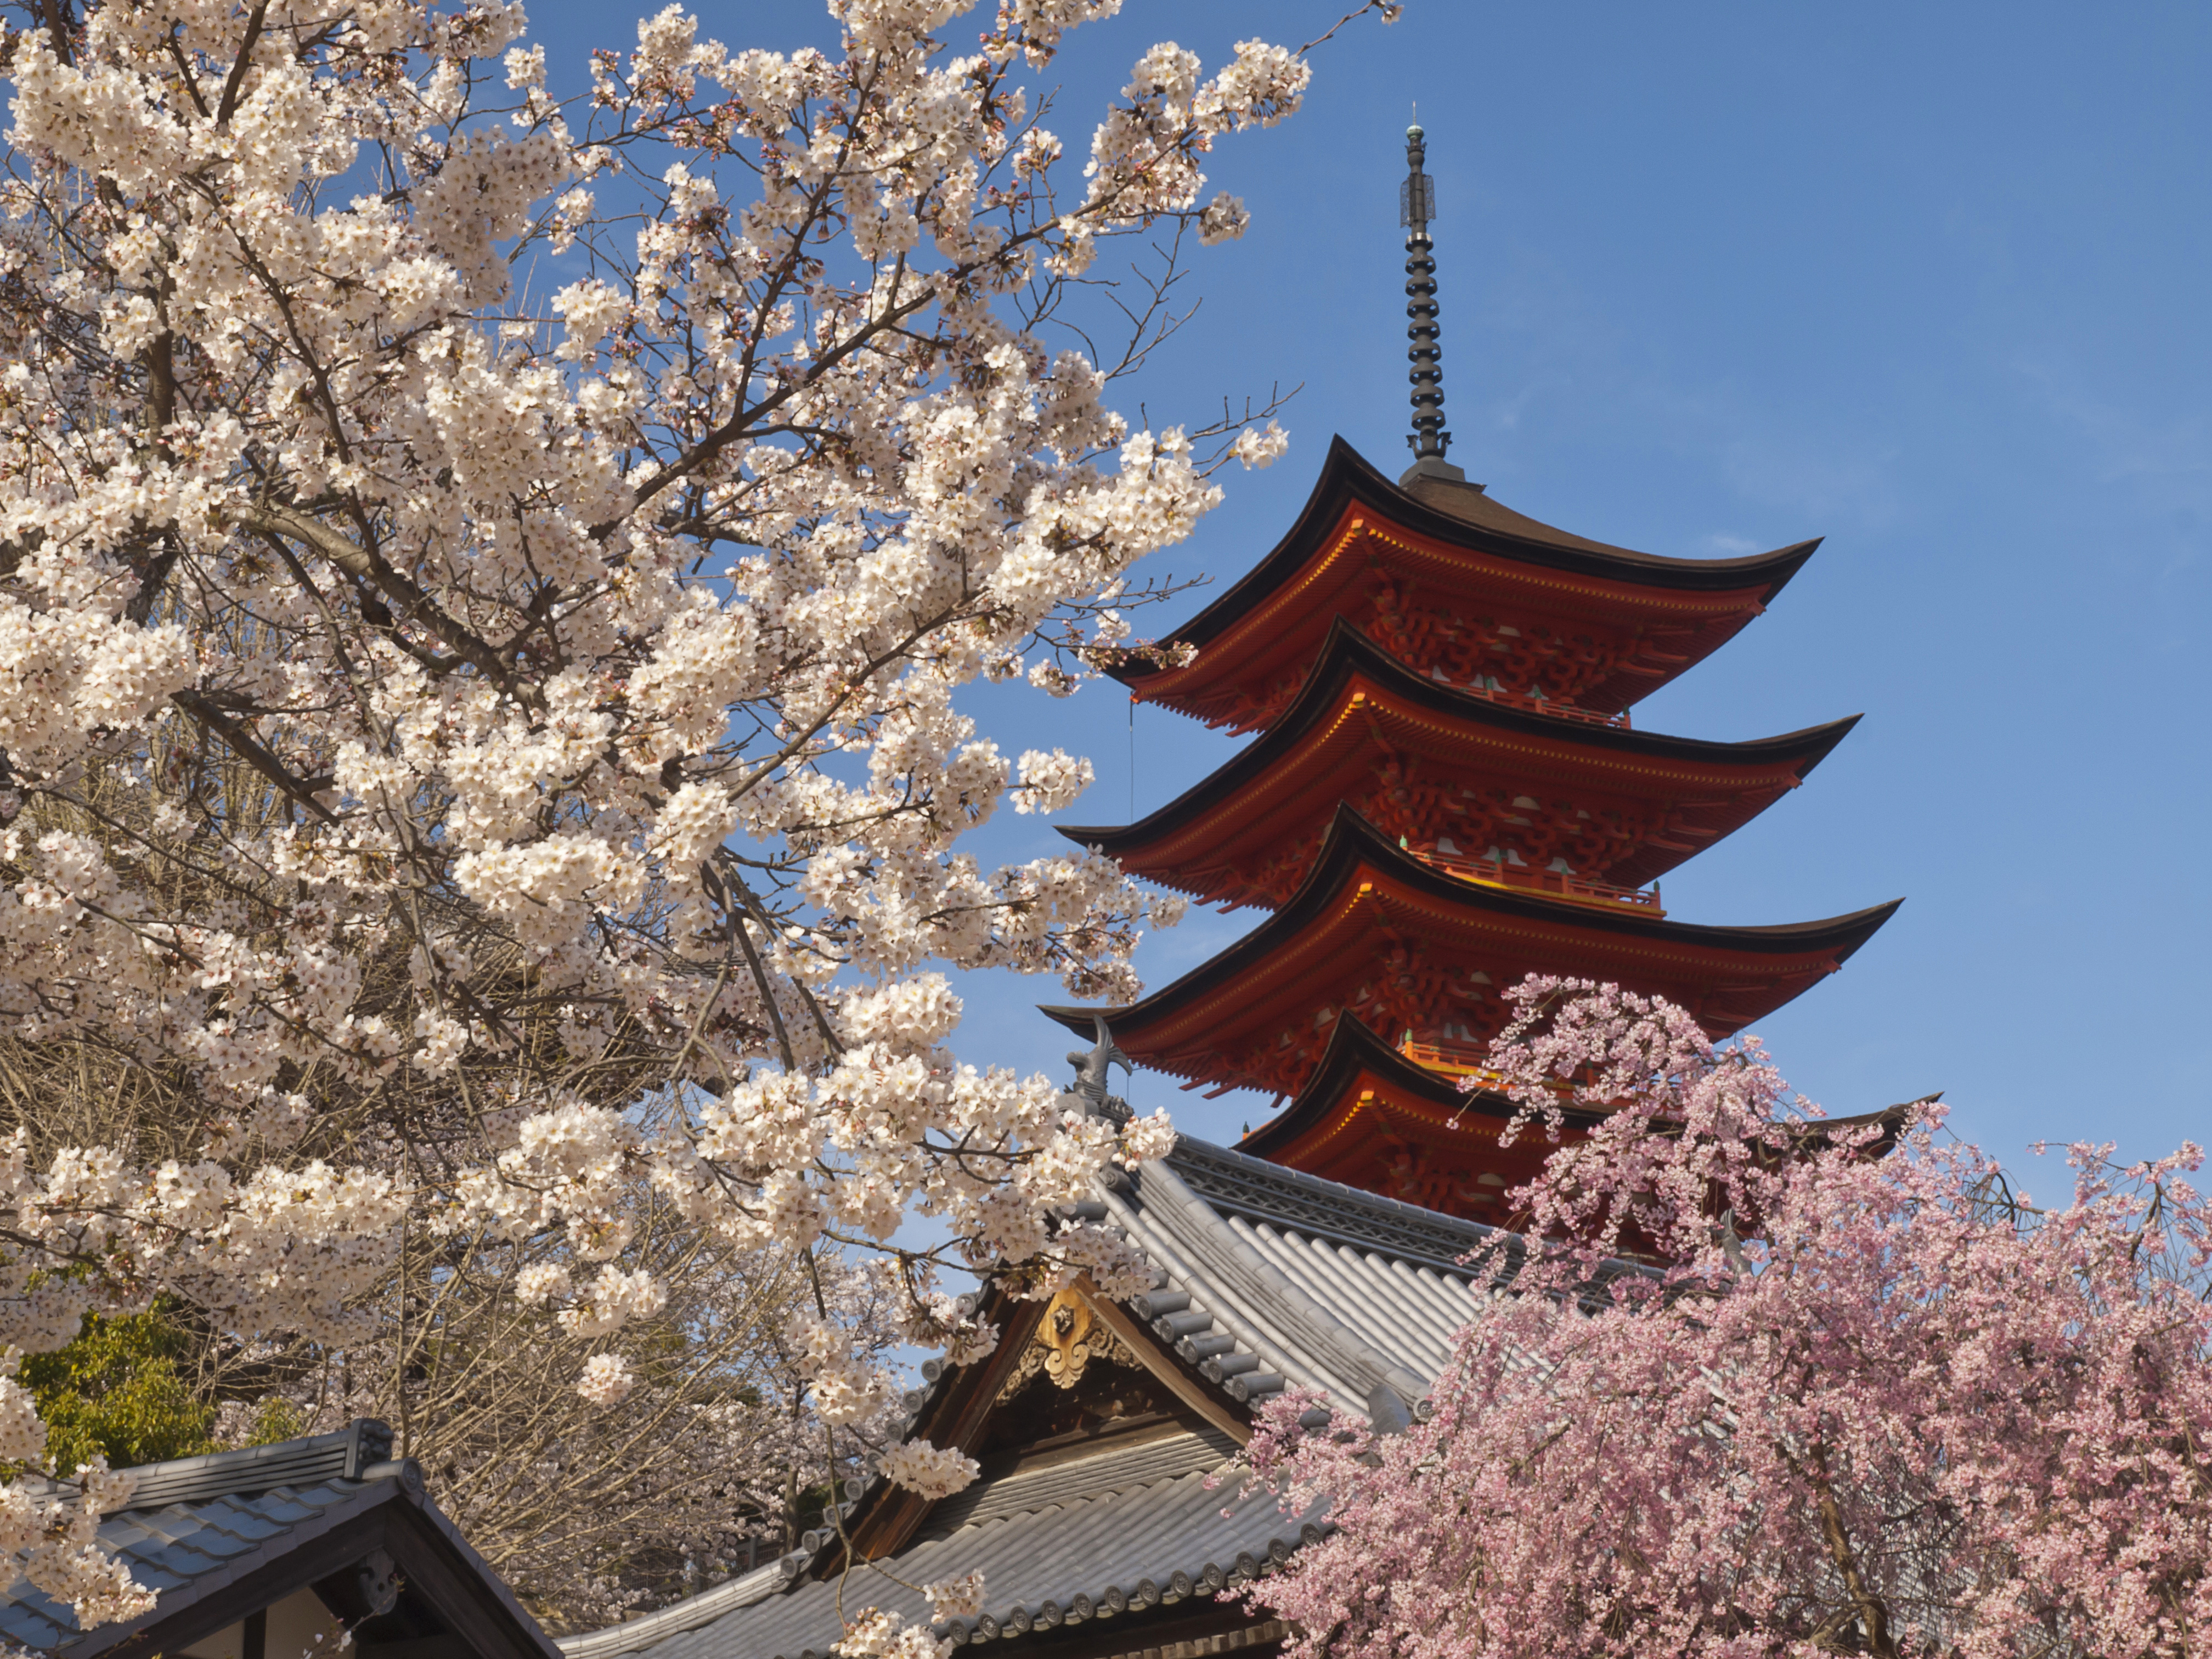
(1069, 1337)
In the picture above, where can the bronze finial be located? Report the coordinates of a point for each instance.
(1417, 205)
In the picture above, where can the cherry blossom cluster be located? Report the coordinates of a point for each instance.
(1772, 1385)
(284, 1249)
(607, 1379)
(932, 1471)
(955, 1598)
(59, 1547)
(56, 1541)
(875, 1634)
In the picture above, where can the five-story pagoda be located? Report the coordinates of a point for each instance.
(1446, 794)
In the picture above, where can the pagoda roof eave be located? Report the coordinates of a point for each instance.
(1352, 843)
(1348, 476)
(1369, 1117)
(1356, 1051)
(1349, 653)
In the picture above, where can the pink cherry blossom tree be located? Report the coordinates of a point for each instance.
(1764, 1388)
(485, 580)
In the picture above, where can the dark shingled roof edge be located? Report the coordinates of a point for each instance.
(1352, 838)
(1346, 475)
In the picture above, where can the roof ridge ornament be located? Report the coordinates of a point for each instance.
(1093, 1076)
(1417, 205)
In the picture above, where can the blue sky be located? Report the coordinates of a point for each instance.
(1929, 283)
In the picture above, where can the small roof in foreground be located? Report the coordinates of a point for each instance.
(227, 1534)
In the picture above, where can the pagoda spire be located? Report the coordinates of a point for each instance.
(1417, 205)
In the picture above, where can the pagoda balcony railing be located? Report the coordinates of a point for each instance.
(1459, 1059)
(1566, 711)
(1557, 883)
(1463, 1059)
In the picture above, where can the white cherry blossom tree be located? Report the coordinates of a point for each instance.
(484, 584)
(716, 1462)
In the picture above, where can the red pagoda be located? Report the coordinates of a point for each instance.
(1446, 794)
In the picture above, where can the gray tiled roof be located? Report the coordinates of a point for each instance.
(349, 1453)
(183, 1546)
(1025, 1491)
(196, 1526)
(692, 1612)
(1270, 1277)
(1132, 1540)
(1267, 1277)
(1236, 1183)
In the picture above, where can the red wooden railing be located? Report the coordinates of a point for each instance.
(1566, 711)
(1464, 1059)
(1556, 883)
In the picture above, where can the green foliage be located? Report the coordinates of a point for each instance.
(277, 1419)
(116, 1390)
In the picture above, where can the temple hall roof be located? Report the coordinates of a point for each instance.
(1266, 1278)
(1136, 1537)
